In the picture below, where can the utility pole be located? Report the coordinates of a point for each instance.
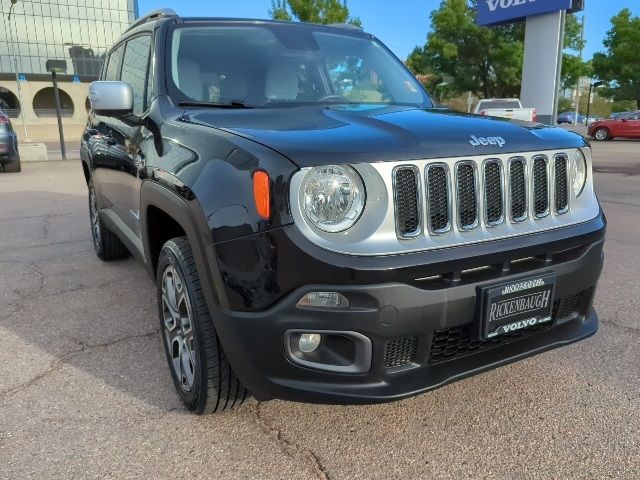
(577, 97)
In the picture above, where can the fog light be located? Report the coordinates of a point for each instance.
(324, 299)
(309, 342)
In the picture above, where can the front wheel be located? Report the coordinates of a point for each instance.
(200, 370)
(601, 134)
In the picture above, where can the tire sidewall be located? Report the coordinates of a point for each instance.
(96, 247)
(195, 399)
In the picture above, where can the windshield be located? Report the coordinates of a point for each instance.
(286, 65)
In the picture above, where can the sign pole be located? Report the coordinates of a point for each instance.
(544, 38)
(56, 94)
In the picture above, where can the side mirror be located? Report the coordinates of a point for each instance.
(111, 99)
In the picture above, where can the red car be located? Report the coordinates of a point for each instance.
(626, 127)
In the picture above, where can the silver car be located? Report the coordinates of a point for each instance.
(9, 155)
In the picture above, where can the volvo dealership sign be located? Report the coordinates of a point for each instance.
(498, 11)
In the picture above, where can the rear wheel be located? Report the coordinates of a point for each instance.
(601, 134)
(13, 166)
(199, 368)
(106, 243)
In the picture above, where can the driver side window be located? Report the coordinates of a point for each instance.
(135, 69)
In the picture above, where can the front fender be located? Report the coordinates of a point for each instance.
(184, 208)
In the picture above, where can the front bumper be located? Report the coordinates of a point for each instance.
(437, 313)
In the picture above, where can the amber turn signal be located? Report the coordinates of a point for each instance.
(262, 194)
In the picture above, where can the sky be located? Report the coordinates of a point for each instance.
(401, 27)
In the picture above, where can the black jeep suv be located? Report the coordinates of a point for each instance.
(317, 229)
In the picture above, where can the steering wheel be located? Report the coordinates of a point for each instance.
(329, 98)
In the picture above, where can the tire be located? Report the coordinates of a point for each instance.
(199, 368)
(13, 167)
(602, 134)
(107, 245)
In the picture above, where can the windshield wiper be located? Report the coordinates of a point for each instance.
(232, 104)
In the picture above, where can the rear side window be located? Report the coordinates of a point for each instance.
(135, 68)
(113, 67)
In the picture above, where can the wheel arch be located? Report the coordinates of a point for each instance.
(165, 214)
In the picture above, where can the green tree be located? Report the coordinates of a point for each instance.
(313, 11)
(573, 67)
(417, 61)
(619, 66)
(487, 61)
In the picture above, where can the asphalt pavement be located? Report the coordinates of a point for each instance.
(85, 391)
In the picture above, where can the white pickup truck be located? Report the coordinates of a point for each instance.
(510, 108)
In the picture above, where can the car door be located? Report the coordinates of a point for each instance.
(101, 136)
(128, 151)
(631, 125)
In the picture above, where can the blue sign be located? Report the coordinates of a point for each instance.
(76, 79)
(500, 11)
(22, 77)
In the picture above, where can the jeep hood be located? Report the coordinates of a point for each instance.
(316, 135)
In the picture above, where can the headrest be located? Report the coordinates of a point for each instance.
(282, 82)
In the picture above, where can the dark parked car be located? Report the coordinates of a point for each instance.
(627, 126)
(9, 155)
(568, 117)
(616, 115)
(317, 230)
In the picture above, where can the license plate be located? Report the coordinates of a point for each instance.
(517, 305)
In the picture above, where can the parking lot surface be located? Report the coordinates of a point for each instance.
(85, 391)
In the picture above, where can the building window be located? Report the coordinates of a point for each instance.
(44, 103)
(9, 103)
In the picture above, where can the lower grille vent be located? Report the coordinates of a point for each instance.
(458, 342)
(400, 352)
(573, 304)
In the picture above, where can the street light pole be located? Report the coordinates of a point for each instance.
(591, 86)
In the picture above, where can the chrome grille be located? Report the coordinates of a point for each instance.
(540, 187)
(518, 189)
(407, 201)
(438, 199)
(562, 184)
(493, 192)
(479, 193)
(467, 196)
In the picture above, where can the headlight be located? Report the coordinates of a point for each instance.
(334, 197)
(578, 172)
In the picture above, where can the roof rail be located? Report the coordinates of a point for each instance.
(154, 15)
(348, 26)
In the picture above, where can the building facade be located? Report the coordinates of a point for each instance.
(34, 31)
